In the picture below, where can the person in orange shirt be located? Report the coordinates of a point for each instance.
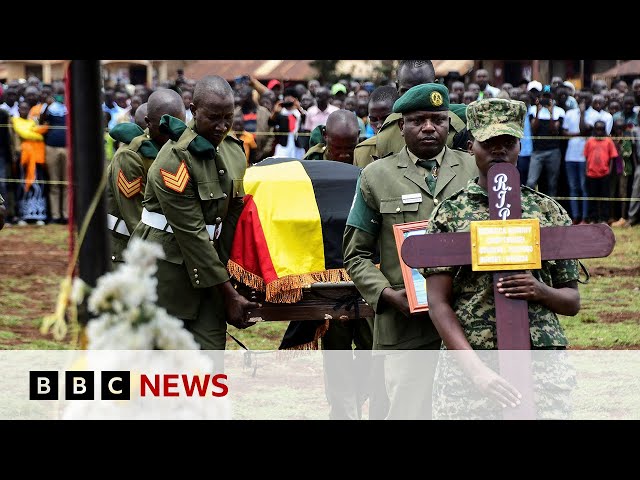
(30, 144)
(249, 142)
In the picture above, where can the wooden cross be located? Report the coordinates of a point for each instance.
(512, 315)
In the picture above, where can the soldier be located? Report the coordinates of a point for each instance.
(191, 206)
(403, 187)
(380, 107)
(389, 140)
(461, 301)
(127, 170)
(141, 115)
(347, 373)
(340, 137)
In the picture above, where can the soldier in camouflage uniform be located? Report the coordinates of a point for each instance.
(403, 188)
(461, 301)
(128, 169)
(389, 139)
(192, 202)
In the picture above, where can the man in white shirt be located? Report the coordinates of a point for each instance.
(318, 113)
(486, 90)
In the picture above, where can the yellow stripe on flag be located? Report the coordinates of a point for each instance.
(289, 216)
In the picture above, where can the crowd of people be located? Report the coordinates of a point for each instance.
(276, 119)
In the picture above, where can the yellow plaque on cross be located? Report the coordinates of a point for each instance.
(505, 245)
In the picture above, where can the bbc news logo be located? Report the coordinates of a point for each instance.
(116, 385)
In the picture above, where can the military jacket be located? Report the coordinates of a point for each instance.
(127, 177)
(474, 301)
(377, 206)
(193, 184)
(389, 140)
(317, 152)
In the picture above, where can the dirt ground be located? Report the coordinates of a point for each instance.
(30, 273)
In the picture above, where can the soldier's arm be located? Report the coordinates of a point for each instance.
(130, 180)
(180, 203)
(359, 248)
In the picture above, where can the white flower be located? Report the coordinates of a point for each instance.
(79, 290)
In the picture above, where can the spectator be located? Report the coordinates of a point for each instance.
(599, 152)
(318, 114)
(574, 126)
(248, 141)
(485, 90)
(55, 140)
(546, 158)
(30, 148)
(256, 121)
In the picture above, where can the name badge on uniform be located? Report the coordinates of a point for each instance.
(412, 198)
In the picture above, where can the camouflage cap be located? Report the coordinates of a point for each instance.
(432, 97)
(496, 116)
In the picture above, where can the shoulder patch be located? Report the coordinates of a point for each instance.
(176, 181)
(129, 188)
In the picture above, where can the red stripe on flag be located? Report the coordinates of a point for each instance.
(249, 249)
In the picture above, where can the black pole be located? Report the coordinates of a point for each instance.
(88, 167)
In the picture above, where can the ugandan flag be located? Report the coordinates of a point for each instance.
(290, 231)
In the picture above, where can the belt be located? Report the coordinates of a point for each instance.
(159, 221)
(117, 225)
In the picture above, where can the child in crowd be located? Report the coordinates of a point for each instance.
(600, 152)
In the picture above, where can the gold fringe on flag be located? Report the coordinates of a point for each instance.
(286, 289)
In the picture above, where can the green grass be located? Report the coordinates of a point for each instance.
(56, 235)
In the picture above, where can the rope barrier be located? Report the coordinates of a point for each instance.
(619, 199)
(308, 134)
(49, 182)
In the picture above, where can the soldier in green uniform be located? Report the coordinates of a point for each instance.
(192, 202)
(347, 372)
(461, 301)
(400, 188)
(339, 138)
(389, 138)
(128, 169)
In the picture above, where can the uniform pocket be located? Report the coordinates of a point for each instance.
(172, 252)
(398, 212)
(210, 190)
(238, 188)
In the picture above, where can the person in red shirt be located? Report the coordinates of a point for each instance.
(599, 151)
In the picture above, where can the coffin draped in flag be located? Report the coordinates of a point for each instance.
(290, 231)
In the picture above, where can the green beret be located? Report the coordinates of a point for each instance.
(431, 97)
(496, 116)
(460, 110)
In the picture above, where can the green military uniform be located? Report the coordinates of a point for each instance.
(192, 203)
(389, 138)
(340, 370)
(395, 190)
(378, 205)
(317, 152)
(127, 177)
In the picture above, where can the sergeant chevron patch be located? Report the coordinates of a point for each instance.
(176, 181)
(129, 188)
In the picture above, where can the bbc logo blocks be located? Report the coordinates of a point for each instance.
(79, 385)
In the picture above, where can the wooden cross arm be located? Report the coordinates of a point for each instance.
(558, 243)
